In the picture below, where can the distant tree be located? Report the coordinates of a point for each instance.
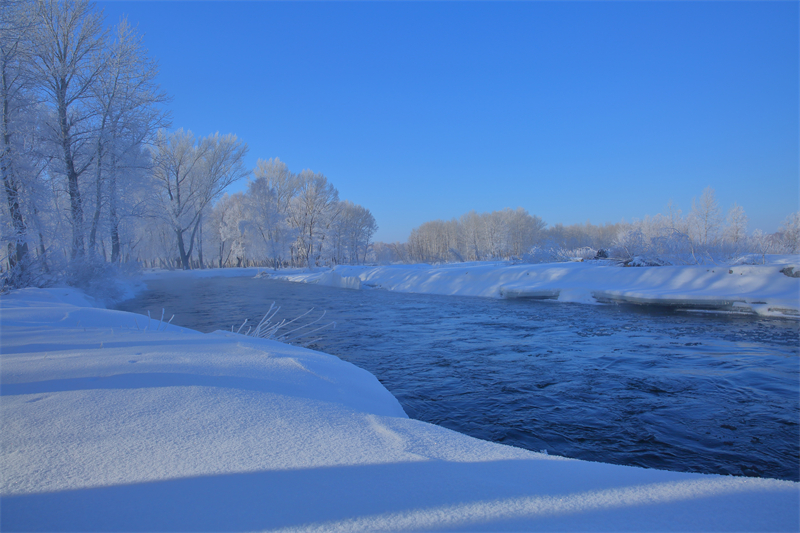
(494, 231)
(351, 233)
(474, 234)
(790, 233)
(313, 208)
(736, 230)
(192, 174)
(705, 219)
(228, 220)
(269, 198)
(762, 243)
(387, 253)
(522, 231)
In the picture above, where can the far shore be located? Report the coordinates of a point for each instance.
(768, 289)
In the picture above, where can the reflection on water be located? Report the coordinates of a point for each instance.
(618, 384)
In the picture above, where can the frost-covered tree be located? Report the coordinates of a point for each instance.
(229, 239)
(191, 174)
(790, 233)
(762, 243)
(351, 233)
(387, 253)
(269, 197)
(313, 209)
(705, 219)
(736, 230)
(16, 105)
(436, 241)
(127, 98)
(500, 234)
(69, 39)
(473, 227)
(522, 231)
(287, 218)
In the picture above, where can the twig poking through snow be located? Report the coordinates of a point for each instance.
(299, 335)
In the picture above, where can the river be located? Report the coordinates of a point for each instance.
(643, 386)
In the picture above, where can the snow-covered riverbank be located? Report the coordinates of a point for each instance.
(761, 289)
(114, 422)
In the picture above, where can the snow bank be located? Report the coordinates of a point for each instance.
(762, 289)
(112, 422)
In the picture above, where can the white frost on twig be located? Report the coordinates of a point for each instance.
(299, 335)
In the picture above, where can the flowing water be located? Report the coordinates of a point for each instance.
(619, 384)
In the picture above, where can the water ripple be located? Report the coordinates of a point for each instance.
(618, 384)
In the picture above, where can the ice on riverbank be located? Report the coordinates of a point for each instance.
(761, 289)
(114, 422)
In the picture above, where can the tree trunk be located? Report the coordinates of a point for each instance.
(98, 192)
(9, 184)
(192, 241)
(200, 244)
(184, 259)
(76, 204)
(112, 216)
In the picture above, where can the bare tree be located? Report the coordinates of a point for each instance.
(70, 39)
(269, 197)
(736, 232)
(126, 96)
(191, 175)
(705, 218)
(790, 233)
(15, 82)
(312, 208)
(229, 221)
(351, 233)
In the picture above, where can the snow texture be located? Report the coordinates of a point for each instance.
(114, 422)
(758, 289)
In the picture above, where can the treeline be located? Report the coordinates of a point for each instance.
(91, 178)
(705, 234)
(475, 237)
(283, 219)
(79, 104)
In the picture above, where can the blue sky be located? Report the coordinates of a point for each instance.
(575, 111)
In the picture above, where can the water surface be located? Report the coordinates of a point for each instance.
(619, 384)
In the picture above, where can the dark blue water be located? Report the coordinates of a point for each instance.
(619, 384)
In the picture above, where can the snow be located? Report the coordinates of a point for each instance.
(113, 422)
(759, 289)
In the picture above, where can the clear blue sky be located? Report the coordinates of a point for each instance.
(575, 111)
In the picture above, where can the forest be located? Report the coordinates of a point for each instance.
(705, 234)
(96, 179)
(93, 178)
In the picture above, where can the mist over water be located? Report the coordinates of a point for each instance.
(619, 384)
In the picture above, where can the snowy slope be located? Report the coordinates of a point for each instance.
(761, 289)
(112, 423)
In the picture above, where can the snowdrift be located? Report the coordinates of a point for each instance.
(115, 422)
(758, 289)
